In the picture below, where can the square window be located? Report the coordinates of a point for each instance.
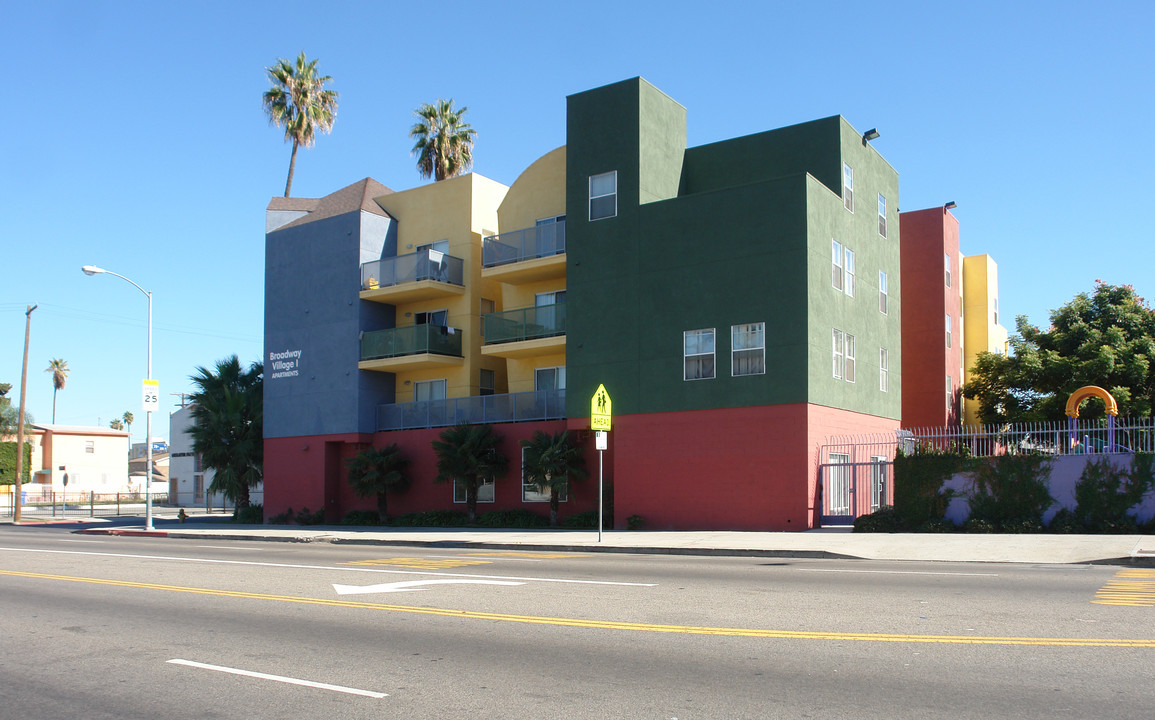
(484, 491)
(881, 215)
(883, 370)
(698, 350)
(549, 378)
(428, 390)
(848, 187)
(837, 279)
(748, 349)
(604, 195)
(883, 296)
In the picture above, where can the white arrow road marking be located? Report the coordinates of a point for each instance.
(281, 678)
(410, 586)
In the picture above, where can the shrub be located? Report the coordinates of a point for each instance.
(282, 518)
(635, 522)
(512, 519)
(252, 515)
(918, 479)
(1065, 523)
(587, 519)
(1012, 491)
(938, 525)
(361, 517)
(432, 518)
(1104, 493)
(304, 517)
(883, 520)
(979, 525)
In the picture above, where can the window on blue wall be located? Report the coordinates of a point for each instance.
(848, 186)
(748, 349)
(604, 195)
(698, 346)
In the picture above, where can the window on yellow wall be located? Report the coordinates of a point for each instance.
(487, 383)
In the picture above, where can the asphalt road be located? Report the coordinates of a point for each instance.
(128, 627)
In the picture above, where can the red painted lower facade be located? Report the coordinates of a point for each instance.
(749, 468)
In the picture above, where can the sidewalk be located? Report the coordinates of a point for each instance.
(826, 543)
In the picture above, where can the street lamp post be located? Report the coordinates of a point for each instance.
(94, 270)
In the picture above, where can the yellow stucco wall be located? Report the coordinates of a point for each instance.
(982, 331)
(538, 193)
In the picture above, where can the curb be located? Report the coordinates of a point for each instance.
(129, 533)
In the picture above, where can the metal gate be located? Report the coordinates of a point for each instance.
(848, 490)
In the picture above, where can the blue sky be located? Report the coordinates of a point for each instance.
(133, 138)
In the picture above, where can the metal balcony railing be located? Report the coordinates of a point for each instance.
(424, 264)
(524, 324)
(526, 244)
(511, 407)
(411, 340)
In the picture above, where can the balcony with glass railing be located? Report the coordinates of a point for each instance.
(411, 348)
(538, 330)
(536, 253)
(476, 410)
(423, 275)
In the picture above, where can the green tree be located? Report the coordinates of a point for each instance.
(376, 472)
(10, 414)
(551, 461)
(59, 370)
(116, 424)
(226, 431)
(468, 455)
(1106, 338)
(299, 102)
(128, 418)
(444, 141)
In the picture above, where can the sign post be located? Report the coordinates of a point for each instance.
(601, 415)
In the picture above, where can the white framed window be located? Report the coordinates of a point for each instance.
(90, 447)
(426, 390)
(698, 351)
(948, 333)
(848, 264)
(604, 195)
(530, 493)
(881, 215)
(946, 265)
(883, 370)
(838, 489)
(748, 349)
(883, 294)
(849, 357)
(848, 186)
(839, 357)
(484, 491)
(549, 378)
(949, 395)
(837, 277)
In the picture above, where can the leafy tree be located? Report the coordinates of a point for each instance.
(116, 424)
(299, 102)
(227, 426)
(10, 415)
(551, 461)
(468, 454)
(444, 146)
(1106, 338)
(377, 471)
(59, 370)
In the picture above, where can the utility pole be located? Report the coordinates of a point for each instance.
(20, 413)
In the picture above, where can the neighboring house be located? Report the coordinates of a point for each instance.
(740, 301)
(982, 330)
(188, 481)
(94, 459)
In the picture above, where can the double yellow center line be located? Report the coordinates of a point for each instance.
(609, 625)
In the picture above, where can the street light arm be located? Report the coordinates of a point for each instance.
(94, 270)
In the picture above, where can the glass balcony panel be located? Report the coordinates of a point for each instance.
(524, 324)
(411, 340)
(424, 264)
(511, 407)
(525, 244)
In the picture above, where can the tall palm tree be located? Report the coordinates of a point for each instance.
(444, 146)
(128, 418)
(59, 370)
(375, 472)
(227, 426)
(550, 462)
(468, 454)
(299, 102)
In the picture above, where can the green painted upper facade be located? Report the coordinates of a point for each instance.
(723, 235)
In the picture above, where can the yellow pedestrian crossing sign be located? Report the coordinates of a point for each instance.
(600, 409)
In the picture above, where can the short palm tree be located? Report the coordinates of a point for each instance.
(299, 102)
(227, 426)
(376, 472)
(468, 454)
(116, 424)
(551, 461)
(59, 370)
(444, 146)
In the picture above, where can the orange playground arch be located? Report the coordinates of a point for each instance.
(1089, 391)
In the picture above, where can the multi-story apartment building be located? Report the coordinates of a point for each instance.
(982, 331)
(740, 301)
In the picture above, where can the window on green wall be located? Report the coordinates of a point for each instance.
(839, 358)
(883, 297)
(604, 195)
(837, 278)
(848, 186)
(843, 354)
(883, 370)
(849, 357)
(698, 347)
(881, 215)
(748, 349)
(848, 263)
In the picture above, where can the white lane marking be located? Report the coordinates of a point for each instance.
(212, 561)
(77, 541)
(280, 678)
(410, 586)
(219, 547)
(899, 572)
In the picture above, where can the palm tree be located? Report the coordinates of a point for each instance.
(227, 427)
(299, 102)
(468, 454)
(59, 370)
(375, 472)
(116, 424)
(550, 462)
(444, 147)
(128, 418)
